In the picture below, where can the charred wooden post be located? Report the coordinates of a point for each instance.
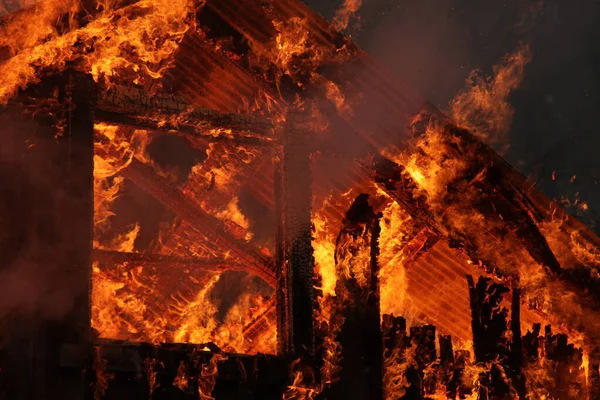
(447, 365)
(358, 302)
(565, 361)
(490, 343)
(295, 272)
(531, 344)
(488, 319)
(422, 339)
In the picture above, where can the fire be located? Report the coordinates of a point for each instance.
(334, 94)
(343, 15)
(196, 317)
(324, 253)
(291, 43)
(208, 376)
(431, 163)
(482, 106)
(298, 390)
(392, 273)
(181, 381)
(102, 376)
(150, 368)
(134, 43)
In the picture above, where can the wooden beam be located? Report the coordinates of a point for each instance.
(210, 226)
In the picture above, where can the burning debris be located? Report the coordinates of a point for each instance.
(219, 212)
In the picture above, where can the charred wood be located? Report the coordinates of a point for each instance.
(295, 254)
(447, 367)
(565, 366)
(137, 107)
(394, 334)
(488, 319)
(194, 128)
(490, 338)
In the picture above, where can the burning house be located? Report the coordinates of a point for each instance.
(231, 200)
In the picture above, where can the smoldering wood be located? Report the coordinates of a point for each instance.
(447, 365)
(358, 293)
(211, 227)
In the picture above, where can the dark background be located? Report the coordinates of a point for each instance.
(434, 44)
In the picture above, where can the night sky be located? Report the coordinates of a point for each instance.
(434, 44)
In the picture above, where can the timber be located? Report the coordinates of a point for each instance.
(167, 263)
(146, 178)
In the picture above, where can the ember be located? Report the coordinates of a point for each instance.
(257, 208)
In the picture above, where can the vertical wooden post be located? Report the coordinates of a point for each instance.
(295, 254)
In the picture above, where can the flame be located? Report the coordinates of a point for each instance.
(233, 213)
(208, 376)
(334, 94)
(181, 381)
(150, 368)
(196, 316)
(102, 376)
(343, 15)
(135, 43)
(298, 390)
(483, 107)
(431, 164)
(392, 272)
